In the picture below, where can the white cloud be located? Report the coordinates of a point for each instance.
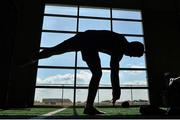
(136, 66)
(82, 76)
(137, 82)
(134, 72)
(106, 71)
(58, 79)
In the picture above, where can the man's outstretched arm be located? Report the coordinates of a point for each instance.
(116, 92)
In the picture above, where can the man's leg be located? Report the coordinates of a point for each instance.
(66, 46)
(93, 61)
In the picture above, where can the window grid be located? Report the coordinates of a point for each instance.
(75, 68)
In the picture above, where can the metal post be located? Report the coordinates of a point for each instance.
(131, 94)
(62, 95)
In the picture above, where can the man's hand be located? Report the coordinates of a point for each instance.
(116, 93)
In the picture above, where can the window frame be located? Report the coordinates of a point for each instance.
(76, 67)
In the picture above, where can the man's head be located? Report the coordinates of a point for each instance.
(135, 49)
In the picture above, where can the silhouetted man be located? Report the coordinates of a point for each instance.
(90, 43)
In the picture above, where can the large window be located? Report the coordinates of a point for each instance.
(67, 76)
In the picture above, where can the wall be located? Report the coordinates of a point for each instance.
(162, 37)
(21, 33)
(22, 26)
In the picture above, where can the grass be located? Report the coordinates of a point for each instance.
(109, 112)
(26, 112)
(67, 113)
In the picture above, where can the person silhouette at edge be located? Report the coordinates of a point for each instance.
(90, 43)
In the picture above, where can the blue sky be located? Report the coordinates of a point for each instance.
(66, 76)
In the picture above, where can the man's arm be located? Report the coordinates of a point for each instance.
(114, 64)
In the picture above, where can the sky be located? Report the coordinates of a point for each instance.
(66, 76)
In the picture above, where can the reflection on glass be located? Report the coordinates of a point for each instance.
(132, 78)
(59, 23)
(127, 14)
(51, 39)
(95, 24)
(126, 27)
(133, 62)
(62, 10)
(66, 59)
(55, 77)
(95, 12)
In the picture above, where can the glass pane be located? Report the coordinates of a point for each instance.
(61, 9)
(105, 97)
(140, 39)
(43, 93)
(105, 79)
(127, 78)
(137, 97)
(95, 24)
(140, 97)
(105, 60)
(80, 62)
(95, 12)
(83, 77)
(52, 39)
(134, 78)
(59, 23)
(66, 59)
(133, 62)
(127, 14)
(81, 97)
(54, 97)
(55, 77)
(68, 95)
(131, 39)
(126, 27)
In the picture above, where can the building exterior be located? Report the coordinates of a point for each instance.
(57, 102)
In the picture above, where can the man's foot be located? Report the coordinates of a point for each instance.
(92, 111)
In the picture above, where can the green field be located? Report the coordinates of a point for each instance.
(25, 112)
(108, 111)
(33, 112)
(70, 112)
